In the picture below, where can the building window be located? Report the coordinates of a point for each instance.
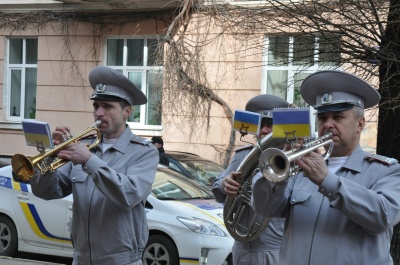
(290, 59)
(21, 78)
(137, 58)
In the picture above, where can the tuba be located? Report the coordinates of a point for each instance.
(23, 167)
(242, 223)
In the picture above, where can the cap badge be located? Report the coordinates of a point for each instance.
(267, 113)
(100, 88)
(326, 98)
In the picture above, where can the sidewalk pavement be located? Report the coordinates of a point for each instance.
(15, 261)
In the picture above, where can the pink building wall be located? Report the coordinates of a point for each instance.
(63, 90)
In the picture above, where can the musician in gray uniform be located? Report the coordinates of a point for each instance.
(264, 249)
(339, 211)
(110, 182)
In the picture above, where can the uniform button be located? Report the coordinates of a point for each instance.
(90, 172)
(73, 179)
(329, 194)
(323, 190)
(293, 200)
(85, 168)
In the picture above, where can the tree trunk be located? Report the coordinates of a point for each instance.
(389, 111)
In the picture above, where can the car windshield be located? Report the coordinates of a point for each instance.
(204, 171)
(168, 186)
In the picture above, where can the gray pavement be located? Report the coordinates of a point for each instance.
(15, 261)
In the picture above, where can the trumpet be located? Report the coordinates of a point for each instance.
(23, 167)
(277, 165)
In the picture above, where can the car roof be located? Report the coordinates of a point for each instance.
(184, 155)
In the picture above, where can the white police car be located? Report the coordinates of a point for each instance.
(186, 224)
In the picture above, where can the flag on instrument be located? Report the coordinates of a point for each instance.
(291, 120)
(246, 122)
(37, 133)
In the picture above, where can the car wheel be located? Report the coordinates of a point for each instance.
(160, 250)
(8, 237)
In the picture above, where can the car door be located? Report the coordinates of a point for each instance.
(42, 223)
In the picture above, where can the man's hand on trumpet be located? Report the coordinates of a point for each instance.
(77, 153)
(60, 134)
(230, 184)
(313, 166)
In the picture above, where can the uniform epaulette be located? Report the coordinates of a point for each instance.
(140, 140)
(382, 159)
(244, 147)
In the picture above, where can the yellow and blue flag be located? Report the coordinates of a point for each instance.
(37, 133)
(246, 122)
(291, 120)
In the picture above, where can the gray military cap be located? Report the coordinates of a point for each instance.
(264, 104)
(337, 91)
(109, 84)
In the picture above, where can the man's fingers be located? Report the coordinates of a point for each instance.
(236, 178)
(231, 191)
(229, 186)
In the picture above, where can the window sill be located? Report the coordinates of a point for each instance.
(146, 130)
(11, 125)
(152, 130)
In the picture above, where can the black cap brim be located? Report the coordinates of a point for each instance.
(334, 107)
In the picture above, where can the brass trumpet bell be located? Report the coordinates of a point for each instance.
(23, 167)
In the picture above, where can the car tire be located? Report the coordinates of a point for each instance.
(160, 250)
(8, 237)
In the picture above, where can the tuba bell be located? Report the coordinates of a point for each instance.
(242, 223)
(23, 167)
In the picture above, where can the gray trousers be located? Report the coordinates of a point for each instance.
(246, 257)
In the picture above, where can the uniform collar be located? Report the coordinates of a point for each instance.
(354, 163)
(121, 144)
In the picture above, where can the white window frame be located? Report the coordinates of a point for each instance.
(7, 80)
(144, 69)
(292, 70)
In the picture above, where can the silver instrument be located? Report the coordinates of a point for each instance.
(277, 165)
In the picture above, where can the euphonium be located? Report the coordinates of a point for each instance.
(242, 223)
(23, 167)
(277, 165)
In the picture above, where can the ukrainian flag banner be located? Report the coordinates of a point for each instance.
(291, 120)
(37, 133)
(246, 122)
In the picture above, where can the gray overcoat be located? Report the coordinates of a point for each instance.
(348, 220)
(109, 224)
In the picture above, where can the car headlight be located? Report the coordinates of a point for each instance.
(202, 226)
